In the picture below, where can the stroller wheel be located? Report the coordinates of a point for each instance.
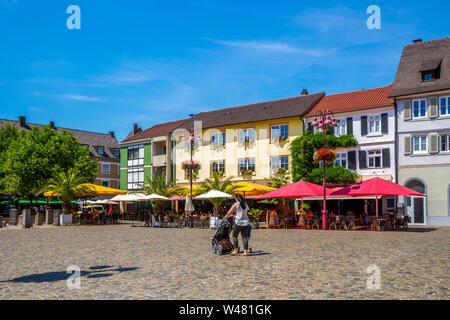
(219, 249)
(214, 248)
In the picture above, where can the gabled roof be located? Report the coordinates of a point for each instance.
(422, 56)
(269, 110)
(155, 131)
(92, 139)
(354, 100)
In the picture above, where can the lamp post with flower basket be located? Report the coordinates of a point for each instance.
(323, 120)
(191, 139)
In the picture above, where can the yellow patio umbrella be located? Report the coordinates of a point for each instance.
(96, 191)
(250, 189)
(184, 190)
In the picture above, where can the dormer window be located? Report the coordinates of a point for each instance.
(101, 151)
(430, 69)
(116, 152)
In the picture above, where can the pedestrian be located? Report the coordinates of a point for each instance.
(241, 224)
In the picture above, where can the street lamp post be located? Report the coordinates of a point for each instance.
(325, 119)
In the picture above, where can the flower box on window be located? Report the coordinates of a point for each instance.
(219, 173)
(280, 171)
(246, 172)
(280, 139)
(324, 154)
(190, 165)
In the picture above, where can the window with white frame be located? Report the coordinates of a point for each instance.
(341, 159)
(218, 167)
(247, 136)
(277, 163)
(246, 165)
(375, 124)
(445, 106)
(135, 178)
(374, 158)
(106, 169)
(419, 108)
(445, 142)
(116, 152)
(105, 183)
(136, 155)
(279, 132)
(218, 139)
(419, 144)
(341, 128)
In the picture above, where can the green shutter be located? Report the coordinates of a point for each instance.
(147, 154)
(433, 143)
(407, 110)
(432, 107)
(147, 173)
(123, 179)
(123, 157)
(408, 145)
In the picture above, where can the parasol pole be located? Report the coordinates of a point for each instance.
(376, 204)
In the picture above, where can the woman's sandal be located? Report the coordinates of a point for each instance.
(234, 252)
(245, 254)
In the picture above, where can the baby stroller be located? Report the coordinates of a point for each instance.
(221, 243)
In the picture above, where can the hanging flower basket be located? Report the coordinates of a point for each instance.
(190, 165)
(324, 155)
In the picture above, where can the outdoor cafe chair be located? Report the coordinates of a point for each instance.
(374, 224)
(316, 222)
(332, 223)
(343, 222)
(351, 223)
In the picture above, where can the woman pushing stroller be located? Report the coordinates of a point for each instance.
(241, 224)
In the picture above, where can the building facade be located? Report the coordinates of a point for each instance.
(369, 116)
(422, 94)
(248, 143)
(147, 153)
(103, 147)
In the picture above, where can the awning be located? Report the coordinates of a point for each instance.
(251, 189)
(96, 191)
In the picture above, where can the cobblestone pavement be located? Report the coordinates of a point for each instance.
(121, 262)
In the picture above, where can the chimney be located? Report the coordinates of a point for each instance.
(22, 121)
(52, 125)
(135, 128)
(417, 41)
(304, 92)
(111, 134)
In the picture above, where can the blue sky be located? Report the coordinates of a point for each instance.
(156, 61)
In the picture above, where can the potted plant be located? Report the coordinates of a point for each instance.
(246, 172)
(280, 171)
(255, 214)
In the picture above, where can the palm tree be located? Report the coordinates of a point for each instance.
(216, 183)
(67, 185)
(158, 185)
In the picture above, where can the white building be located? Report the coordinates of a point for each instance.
(370, 116)
(422, 93)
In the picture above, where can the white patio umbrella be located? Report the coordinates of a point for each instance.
(153, 196)
(213, 194)
(131, 197)
(189, 207)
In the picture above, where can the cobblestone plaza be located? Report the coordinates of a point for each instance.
(122, 262)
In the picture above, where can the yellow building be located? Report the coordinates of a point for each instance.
(249, 142)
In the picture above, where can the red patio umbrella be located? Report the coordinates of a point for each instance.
(376, 187)
(300, 189)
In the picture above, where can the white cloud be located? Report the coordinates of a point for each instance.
(79, 97)
(269, 46)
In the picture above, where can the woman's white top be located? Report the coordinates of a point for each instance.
(241, 218)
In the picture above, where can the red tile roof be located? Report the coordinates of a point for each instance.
(156, 131)
(355, 100)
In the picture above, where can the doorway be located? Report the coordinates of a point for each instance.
(416, 206)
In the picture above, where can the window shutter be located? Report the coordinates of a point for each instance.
(351, 156)
(408, 145)
(384, 123)
(349, 125)
(407, 110)
(432, 107)
(364, 125)
(433, 146)
(362, 159)
(386, 158)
